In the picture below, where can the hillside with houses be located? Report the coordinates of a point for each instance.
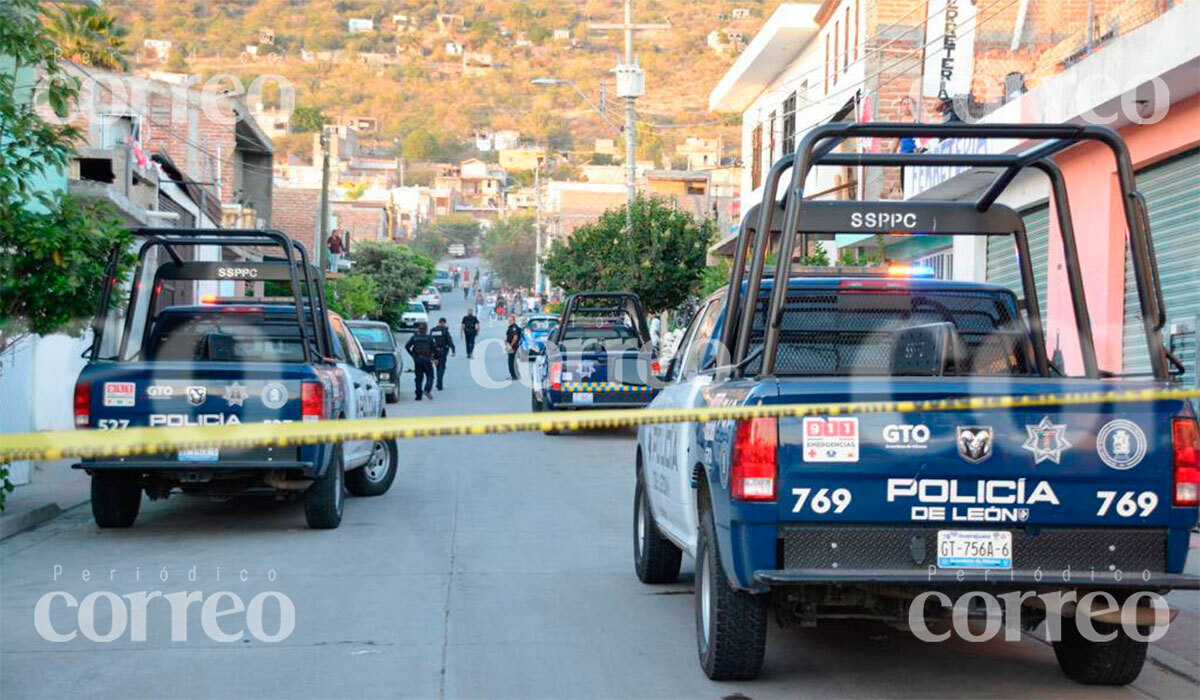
(442, 72)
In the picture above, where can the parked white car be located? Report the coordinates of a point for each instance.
(414, 314)
(432, 298)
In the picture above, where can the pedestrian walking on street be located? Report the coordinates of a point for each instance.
(512, 341)
(420, 347)
(478, 303)
(443, 345)
(470, 329)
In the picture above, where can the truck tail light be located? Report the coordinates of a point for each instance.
(655, 367)
(1185, 439)
(755, 460)
(556, 376)
(83, 404)
(312, 401)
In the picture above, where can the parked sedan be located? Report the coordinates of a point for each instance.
(414, 314)
(432, 298)
(376, 338)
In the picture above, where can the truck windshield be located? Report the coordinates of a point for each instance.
(879, 332)
(224, 337)
(598, 338)
(373, 337)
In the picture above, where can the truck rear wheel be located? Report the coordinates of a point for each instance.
(325, 499)
(655, 558)
(1115, 662)
(731, 625)
(116, 499)
(376, 476)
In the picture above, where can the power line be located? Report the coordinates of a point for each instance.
(854, 87)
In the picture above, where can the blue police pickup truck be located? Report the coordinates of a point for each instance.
(893, 516)
(598, 356)
(229, 360)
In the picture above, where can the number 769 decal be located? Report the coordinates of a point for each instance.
(822, 501)
(1129, 503)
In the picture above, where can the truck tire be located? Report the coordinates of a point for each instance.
(655, 558)
(1115, 662)
(324, 500)
(393, 396)
(534, 404)
(116, 499)
(731, 625)
(376, 476)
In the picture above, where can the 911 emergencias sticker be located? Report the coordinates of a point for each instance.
(120, 394)
(830, 439)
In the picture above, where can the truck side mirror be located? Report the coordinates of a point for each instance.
(384, 362)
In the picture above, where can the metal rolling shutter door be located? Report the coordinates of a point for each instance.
(1002, 256)
(1172, 191)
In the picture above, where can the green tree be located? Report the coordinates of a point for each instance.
(399, 274)
(510, 250)
(430, 242)
(307, 120)
(55, 248)
(420, 144)
(354, 296)
(662, 259)
(90, 36)
(818, 258)
(714, 277)
(458, 228)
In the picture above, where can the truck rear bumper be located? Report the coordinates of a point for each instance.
(1151, 580)
(167, 467)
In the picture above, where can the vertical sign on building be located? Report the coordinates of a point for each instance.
(949, 48)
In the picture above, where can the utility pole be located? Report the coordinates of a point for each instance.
(537, 225)
(631, 84)
(323, 224)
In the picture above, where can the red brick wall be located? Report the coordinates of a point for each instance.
(295, 212)
(895, 31)
(364, 222)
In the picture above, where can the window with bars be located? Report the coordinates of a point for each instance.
(771, 142)
(789, 123)
(756, 157)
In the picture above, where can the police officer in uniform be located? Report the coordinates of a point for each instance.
(443, 344)
(470, 329)
(420, 346)
(512, 342)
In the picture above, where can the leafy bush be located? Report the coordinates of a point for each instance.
(662, 259)
(510, 250)
(399, 273)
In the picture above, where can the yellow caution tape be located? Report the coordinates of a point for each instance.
(138, 441)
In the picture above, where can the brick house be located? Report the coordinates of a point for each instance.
(882, 60)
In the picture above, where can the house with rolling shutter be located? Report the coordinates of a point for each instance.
(1139, 78)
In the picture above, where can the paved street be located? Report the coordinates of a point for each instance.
(495, 567)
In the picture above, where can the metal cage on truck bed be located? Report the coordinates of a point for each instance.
(795, 216)
(307, 290)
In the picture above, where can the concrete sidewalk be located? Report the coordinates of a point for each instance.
(53, 488)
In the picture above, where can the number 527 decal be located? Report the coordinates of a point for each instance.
(822, 501)
(1129, 503)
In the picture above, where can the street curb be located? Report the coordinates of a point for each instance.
(1174, 663)
(28, 520)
